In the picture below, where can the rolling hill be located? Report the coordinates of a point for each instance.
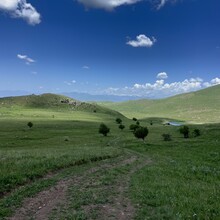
(197, 107)
(50, 103)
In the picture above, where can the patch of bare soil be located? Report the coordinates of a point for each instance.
(41, 206)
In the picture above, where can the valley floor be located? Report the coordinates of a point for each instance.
(62, 168)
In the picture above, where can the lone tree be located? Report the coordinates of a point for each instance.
(185, 131)
(134, 119)
(30, 124)
(121, 126)
(141, 133)
(103, 129)
(118, 120)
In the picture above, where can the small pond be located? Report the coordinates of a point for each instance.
(175, 123)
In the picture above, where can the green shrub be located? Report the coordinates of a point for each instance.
(121, 126)
(141, 133)
(103, 129)
(134, 119)
(30, 124)
(118, 120)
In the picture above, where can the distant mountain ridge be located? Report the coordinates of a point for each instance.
(200, 106)
(99, 98)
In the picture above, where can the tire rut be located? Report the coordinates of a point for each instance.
(42, 205)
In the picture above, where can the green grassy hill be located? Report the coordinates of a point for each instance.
(51, 104)
(63, 154)
(199, 107)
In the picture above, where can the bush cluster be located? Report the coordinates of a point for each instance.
(185, 131)
(142, 132)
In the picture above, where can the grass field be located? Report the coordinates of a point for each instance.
(63, 157)
(195, 107)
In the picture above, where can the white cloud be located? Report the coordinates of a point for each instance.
(27, 59)
(107, 4)
(142, 41)
(111, 4)
(161, 4)
(197, 79)
(70, 83)
(8, 4)
(162, 75)
(86, 67)
(21, 9)
(160, 89)
(215, 81)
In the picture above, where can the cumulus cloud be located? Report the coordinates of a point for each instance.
(161, 89)
(27, 59)
(107, 4)
(215, 81)
(21, 9)
(142, 41)
(162, 75)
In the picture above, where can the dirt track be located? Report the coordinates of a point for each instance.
(106, 186)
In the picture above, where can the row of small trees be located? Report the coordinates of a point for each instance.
(185, 131)
(138, 131)
(142, 132)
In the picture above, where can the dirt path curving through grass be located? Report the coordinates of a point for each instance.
(101, 192)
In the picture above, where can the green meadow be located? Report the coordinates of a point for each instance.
(177, 179)
(196, 107)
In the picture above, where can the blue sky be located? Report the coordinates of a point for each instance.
(145, 48)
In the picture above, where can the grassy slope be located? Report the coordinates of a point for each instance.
(201, 106)
(62, 134)
(49, 104)
(182, 182)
